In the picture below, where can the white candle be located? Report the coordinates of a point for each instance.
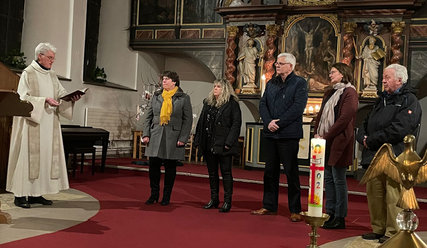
(310, 110)
(262, 84)
(317, 166)
(317, 108)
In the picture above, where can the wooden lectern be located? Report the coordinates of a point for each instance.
(10, 105)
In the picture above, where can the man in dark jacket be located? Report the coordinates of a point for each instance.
(395, 114)
(281, 109)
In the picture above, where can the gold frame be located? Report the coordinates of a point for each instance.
(159, 24)
(332, 19)
(249, 130)
(222, 29)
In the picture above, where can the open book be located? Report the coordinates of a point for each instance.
(81, 92)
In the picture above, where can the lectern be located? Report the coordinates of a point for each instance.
(10, 105)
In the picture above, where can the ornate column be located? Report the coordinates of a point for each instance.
(347, 51)
(396, 42)
(269, 58)
(231, 56)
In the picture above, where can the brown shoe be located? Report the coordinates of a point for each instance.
(263, 211)
(295, 217)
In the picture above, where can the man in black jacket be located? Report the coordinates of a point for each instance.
(281, 109)
(395, 114)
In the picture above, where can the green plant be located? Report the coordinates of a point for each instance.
(15, 59)
(99, 75)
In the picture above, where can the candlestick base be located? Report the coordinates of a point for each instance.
(314, 223)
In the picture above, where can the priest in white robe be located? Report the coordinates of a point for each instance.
(36, 159)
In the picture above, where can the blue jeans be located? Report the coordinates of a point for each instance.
(336, 191)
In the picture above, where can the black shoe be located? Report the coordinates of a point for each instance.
(383, 239)
(21, 202)
(164, 202)
(371, 236)
(152, 200)
(336, 223)
(39, 200)
(225, 207)
(211, 204)
(331, 218)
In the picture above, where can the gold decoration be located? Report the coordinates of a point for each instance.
(232, 30)
(273, 29)
(407, 169)
(310, 2)
(397, 27)
(349, 27)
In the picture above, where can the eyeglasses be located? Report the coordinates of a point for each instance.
(332, 72)
(51, 58)
(281, 64)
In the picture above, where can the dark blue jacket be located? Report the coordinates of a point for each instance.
(285, 101)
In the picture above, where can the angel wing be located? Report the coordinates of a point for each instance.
(422, 173)
(384, 161)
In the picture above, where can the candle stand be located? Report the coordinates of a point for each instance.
(314, 223)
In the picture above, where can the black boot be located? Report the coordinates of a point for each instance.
(170, 174)
(154, 174)
(225, 207)
(22, 202)
(228, 192)
(152, 199)
(211, 204)
(214, 186)
(336, 223)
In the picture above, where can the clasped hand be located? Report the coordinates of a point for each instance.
(272, 126)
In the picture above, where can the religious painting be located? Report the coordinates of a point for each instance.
(156, 12)
(314, 41)
(199, 12)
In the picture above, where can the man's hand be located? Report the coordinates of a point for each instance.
(52, 102)
(272, 126)
(75, 98)
(364, 142)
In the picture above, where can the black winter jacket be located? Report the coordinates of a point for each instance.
(285, 101)
(391, 119)
(226, 129)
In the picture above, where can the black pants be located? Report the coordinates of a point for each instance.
(224, 163)
(154, 173)
(283, 151)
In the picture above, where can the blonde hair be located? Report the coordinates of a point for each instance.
(227, 91)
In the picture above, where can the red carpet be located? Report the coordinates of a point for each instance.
(125, 221)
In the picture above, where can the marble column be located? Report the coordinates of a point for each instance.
(348, 49)
(231, 56)
(396, 42)
(269, 58)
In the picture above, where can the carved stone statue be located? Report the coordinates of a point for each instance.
(371, 55)
(247, 63)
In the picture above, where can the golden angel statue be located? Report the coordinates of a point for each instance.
(407, 169)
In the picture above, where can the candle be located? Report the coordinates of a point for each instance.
(317, 166)
(262, 84)
(317, 108)
(310, 110)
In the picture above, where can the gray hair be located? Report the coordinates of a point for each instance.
(43, 48)
(400, 72)
(290, 58)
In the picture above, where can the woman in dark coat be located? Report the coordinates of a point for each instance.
(335, 123)
(166, 128)
(217, 134)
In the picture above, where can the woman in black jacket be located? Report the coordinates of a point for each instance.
(217, 132)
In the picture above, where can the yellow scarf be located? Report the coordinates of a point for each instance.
(166, 110)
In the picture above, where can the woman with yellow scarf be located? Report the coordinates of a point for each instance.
(166, 128)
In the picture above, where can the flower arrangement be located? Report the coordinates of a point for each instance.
(14, 59)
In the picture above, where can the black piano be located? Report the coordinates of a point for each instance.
(78, 136)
